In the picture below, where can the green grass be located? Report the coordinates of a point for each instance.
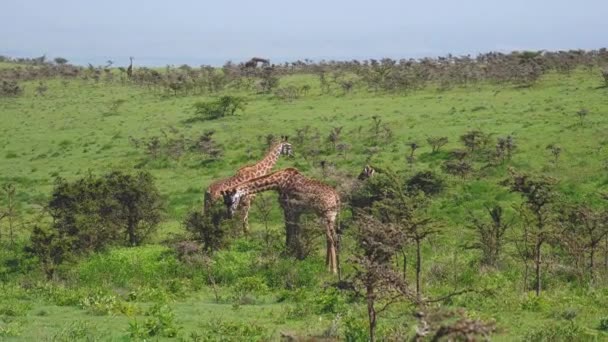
(68, 132)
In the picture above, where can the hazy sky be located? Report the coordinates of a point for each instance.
(198, 31)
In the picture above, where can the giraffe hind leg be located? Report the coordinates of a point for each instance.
(244, 211)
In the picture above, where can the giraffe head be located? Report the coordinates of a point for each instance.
(367, 172)
(286, 149)
(232, 199)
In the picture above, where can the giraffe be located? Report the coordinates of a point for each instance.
(130, 68)
(297, 193)
(368, 172)
(261, 168)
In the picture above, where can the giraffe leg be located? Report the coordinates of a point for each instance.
(331, 258)
(245, 206)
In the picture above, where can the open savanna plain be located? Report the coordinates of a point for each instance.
(249, 290)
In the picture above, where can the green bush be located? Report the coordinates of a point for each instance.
(101, 304)
(291, 274)
(224, 106)
(554, 332)
(161, 322)
(93, 212)
(222, 330)
(77, 331)
(14, 309)
(330, 300)
(130, 268)
(604, 324)
(533, 303)
(355, 328)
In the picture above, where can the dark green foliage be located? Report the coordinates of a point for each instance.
(92, 213)
(208, 146)
(459, 168)
(490, 234)
(372, 190)
(269, 80)
(60, 60)
(224, 106)
(222, 330)
(426, 181)
(10, 88)
(160, 323)
(211, 229)
(50, 247)
(437, 142)
(473, 140)
(603, 326)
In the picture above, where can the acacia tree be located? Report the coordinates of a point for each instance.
(407, 211)
(584, 227)
(537, 214)
(489, 235)
(374, 277)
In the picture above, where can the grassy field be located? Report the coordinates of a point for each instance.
(76, 127)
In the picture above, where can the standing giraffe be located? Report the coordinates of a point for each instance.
(130, 68)
(297, 193)
(261, 168)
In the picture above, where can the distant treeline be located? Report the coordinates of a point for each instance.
(388, 75)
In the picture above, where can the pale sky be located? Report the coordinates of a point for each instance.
(210, 32)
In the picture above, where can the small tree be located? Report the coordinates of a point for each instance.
(505, 148)
(93, 212)
(475, 139)
(60, 60)
(407, 212)
(10, 212)
(556, 151)
(437, 142)
(208, 146)
(536, 212)
(269, 80)
(489, 235)
(374, 278)
(50, 247)
(585, 227)
(582, 114)
(209, 228)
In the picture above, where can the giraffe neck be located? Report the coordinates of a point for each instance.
(265, 183)
(270, 159)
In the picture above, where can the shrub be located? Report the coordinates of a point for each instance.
(246, 289)
(330, 300)
(92, 213)
(162, 321)
(10, 88)
(604, 324)
(222, 330)
(101, 304)
(355, 328)
(130, 267)
(14, 309)
(224, 106)
(426, 181)
(209, 228)
(555, 332)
